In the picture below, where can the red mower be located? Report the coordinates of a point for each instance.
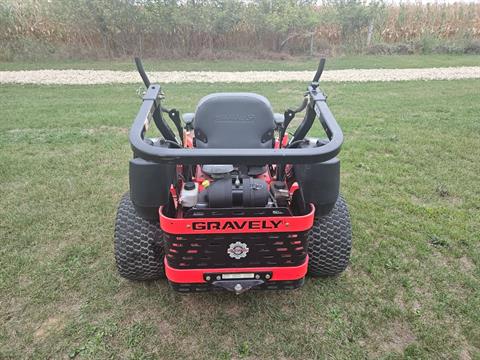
(229, 201)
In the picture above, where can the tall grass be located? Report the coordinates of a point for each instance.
(227, 28)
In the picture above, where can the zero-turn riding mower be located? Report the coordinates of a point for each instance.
(230, 201)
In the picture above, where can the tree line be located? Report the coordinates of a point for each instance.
(231, 28)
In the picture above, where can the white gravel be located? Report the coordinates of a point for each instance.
(84, 77)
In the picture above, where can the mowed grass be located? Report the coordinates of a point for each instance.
(334, 63)
(410, 167)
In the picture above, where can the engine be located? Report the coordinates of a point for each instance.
(228, 188)
(232, 192)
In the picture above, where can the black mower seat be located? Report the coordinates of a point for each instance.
(234, 120)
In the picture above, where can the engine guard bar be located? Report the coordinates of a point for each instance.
(169, 155)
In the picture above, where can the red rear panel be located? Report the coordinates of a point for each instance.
(274, 244)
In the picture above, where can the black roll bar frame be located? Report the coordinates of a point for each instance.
(187, 156)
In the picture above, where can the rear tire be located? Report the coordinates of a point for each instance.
(330, 242)
(138, 244)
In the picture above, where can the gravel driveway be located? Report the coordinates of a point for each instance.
(107, 77)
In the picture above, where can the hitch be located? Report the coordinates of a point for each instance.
(237, 286)
(237, 282)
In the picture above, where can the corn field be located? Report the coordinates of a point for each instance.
(230, 28)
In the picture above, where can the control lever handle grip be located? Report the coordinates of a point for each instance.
(142, 72)
(319, 72)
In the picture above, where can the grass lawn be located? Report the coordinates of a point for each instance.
(410, 175)
(345, 62)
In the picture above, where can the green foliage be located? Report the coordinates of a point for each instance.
(355, 15)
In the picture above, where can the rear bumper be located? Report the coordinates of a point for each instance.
(218, 279)
(197, 276)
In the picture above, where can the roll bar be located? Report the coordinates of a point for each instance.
(186, 156)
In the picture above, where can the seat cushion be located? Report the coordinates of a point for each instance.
(234, 120)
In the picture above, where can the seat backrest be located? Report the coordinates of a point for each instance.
(234, 120)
